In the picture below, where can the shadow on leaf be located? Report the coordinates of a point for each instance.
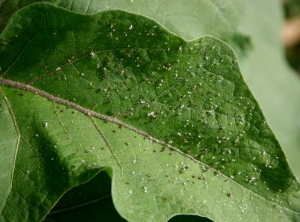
(189, 218)
(91, 200)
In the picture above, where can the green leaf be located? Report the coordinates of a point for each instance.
(274, 84)
(190, 20)
(291, 8)
(8, 142)
(92, 198)
(172, 119)
(9, 7)
(209, 17)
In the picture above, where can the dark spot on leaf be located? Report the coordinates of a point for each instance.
(181, 170)
(164, 199)
(163, 149)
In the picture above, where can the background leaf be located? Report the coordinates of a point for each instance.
(192, 135)
(272, 82)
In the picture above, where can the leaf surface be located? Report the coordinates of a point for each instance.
(272, 82)
(209, 17)
(173, 119)
(92, 198)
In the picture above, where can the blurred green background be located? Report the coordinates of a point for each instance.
(274, 83)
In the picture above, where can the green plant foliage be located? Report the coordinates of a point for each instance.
(195, 19)
(217, 18)
(92, 199)
(171, 121)
(291, 8)
(275, 86)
